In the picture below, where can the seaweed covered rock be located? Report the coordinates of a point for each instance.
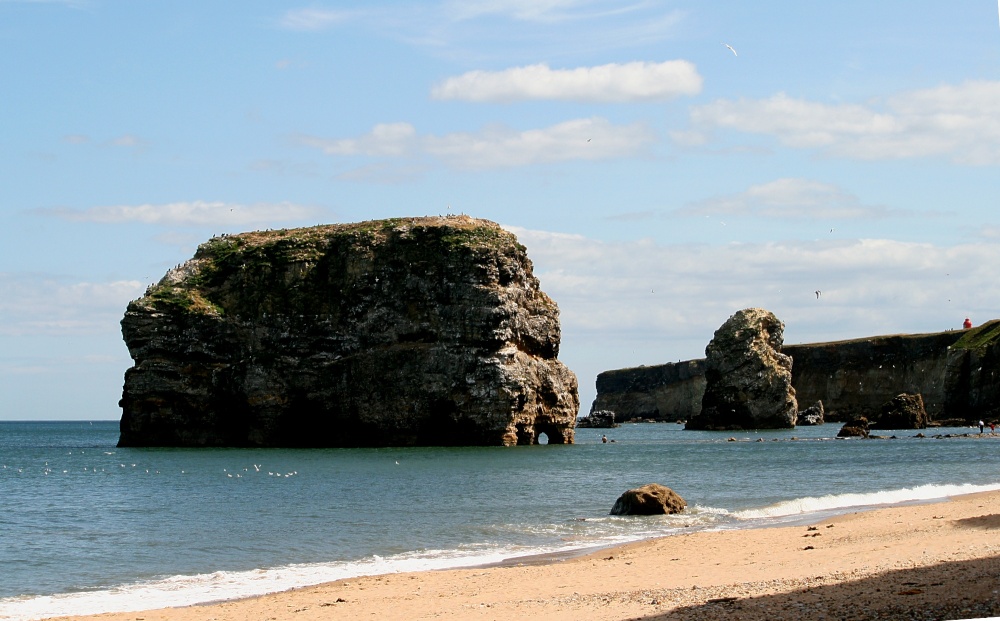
(748, 381)
(416, 331)
(904, 411)
(651, 499)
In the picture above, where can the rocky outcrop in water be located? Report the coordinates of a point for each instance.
(748, 379)
(957, 372)
(601, 419)
(904, 411)
(812, 415)
(651, 499)
(415, 331)
(856, 428)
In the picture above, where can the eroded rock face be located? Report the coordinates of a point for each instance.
(601, 419)
(651, 499)
(856, 428)
(812, 415)
(904, 411)
(748, 379)
(418, 331)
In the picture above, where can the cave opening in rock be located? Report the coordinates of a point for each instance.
(525, 434)
(540, 433)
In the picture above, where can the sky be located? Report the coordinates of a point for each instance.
(665, 162)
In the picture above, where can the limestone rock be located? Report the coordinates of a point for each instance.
(812, 415)
(956, 372)
(748, 379)
(601, 419)
(904, 411)
(651, 499)
(857, 428)
(410, 331)
(666, 392)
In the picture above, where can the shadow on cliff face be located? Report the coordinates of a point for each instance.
(954, 590)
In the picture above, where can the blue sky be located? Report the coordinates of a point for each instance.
(660, 181)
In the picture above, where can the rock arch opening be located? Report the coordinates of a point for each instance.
(544, 433)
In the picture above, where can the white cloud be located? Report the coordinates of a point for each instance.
(69, 3)
(989, 232)
(128, 140)
(312, 19)
(385, 140)
(545, 11)
(475, 30)
(497, 146)
(44, 304)
(677, 295)
(634, 81)
(195, 213)
(791, 198)
(28, 362)
(960, 122)
(688, 138)
(385, 172)
(580, 139)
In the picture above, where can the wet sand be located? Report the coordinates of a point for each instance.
(928, 561)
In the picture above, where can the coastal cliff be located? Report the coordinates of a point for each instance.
(413, 331)
(956, 372)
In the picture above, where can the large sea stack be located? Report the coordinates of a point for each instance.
(401, 332)
(748, 381)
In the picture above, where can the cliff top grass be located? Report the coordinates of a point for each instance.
(182, 287)
(973, 338)
(463, 230)
(980, 336)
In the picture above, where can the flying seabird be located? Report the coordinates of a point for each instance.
(818, 293)
(734, 51)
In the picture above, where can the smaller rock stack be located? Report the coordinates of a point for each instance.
(601, 419)
(748, 379)
(904, 411)
(812, 415)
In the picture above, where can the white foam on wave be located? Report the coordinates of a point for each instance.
(835, 502)
(187, 590)
(177, 591)
(223, 585)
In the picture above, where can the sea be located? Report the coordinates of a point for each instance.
(86, 527)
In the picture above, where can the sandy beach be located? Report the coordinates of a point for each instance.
(926, 561)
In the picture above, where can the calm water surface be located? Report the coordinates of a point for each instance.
(86, 526)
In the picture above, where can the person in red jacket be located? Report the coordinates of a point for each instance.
(967, 324)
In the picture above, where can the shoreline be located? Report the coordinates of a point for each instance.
(931, 556)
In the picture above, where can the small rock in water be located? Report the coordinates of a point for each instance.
(651, 499)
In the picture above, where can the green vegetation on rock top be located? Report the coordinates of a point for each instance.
(172, 297)
(266, 250)
(980, 336)
(459, 230)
